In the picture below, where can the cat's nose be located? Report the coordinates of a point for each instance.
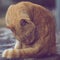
(9, 27)
(12, 29)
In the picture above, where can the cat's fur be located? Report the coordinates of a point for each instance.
(34, 29)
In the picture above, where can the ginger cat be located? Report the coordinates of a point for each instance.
(34, 28)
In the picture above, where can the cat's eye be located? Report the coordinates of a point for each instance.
(23, 22)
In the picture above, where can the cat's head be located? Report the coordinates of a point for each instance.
(21, 25)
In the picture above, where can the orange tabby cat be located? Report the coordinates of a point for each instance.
(34, 29)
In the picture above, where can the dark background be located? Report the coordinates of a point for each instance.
(50, 4)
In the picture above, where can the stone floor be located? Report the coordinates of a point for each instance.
(55, 57)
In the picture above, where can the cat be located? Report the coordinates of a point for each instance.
(34, 28)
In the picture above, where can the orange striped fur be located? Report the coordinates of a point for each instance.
(34, 28)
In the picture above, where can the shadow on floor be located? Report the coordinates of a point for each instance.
(54, 57)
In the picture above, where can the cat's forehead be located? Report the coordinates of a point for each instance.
(15, 14)
(11, 16)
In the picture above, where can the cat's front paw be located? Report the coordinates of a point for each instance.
(8, 53)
